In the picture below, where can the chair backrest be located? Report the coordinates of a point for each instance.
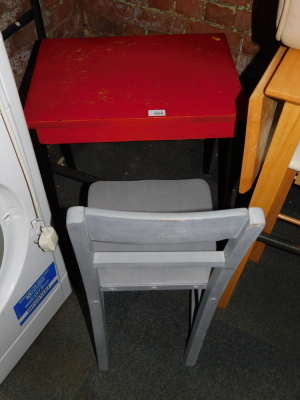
(33, 14)
(164, 269)
(133, 269)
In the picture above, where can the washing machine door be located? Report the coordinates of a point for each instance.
(1, 246)
(33, 283)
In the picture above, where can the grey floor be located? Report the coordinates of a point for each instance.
(251, 350)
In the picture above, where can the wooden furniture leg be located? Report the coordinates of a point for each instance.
(233, 281)
(272, 217)
(272, 176)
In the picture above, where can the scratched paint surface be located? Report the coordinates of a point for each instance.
(102, 81)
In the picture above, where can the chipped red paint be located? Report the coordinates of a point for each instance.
(101, 89)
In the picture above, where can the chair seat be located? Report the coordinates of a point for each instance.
(186, 195)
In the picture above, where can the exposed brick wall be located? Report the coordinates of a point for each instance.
(248, 24)
(19, 45)
(62, 18)
(233, 17)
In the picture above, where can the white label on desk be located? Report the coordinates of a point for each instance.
(156, 113)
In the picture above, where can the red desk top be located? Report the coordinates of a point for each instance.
(111, 89)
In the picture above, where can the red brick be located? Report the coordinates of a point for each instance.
(133, 29)
(19, 62)
(48, 18)
(11, 6)
(96, 22)
(88, 20)
(111, 9)
(24, 38)
(73, 26)
(243, 20)
(61, 18)
(7, 4)
(161, 22)
(10, 15)
(47, 4)
(237, 3)
(164, 5)
(122, 11)
(219, 15)
(100, 25)
(139, 2)
(102, 7)
(249, 47)
(62, 11)
(234, 40)
(202, 27)
(105, 26)
(191, 8)
(152, 32)
(241, 62)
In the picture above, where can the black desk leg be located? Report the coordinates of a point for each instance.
(225, 176)
(68, 155)
(207, 154)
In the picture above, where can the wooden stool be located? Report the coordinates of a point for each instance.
(278, 88)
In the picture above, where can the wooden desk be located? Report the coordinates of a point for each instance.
(267, 155)
(112, 89)
(164, 87)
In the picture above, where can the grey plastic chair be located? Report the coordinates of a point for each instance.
(152, 235)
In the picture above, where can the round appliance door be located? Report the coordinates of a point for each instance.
(1, 246)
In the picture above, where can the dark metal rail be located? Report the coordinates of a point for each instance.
(279, 243)
(34, 14)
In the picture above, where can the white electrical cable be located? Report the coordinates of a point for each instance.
(22, 162)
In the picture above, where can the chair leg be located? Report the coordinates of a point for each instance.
(272, 177)
(257, 249)
(271, 218)
(84, 253)
(204, 314)
(194, 301)
(99, 329)
(224, 300)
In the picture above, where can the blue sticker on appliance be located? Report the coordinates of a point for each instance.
(36, 294)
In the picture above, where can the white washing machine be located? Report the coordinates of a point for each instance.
(33, 281)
